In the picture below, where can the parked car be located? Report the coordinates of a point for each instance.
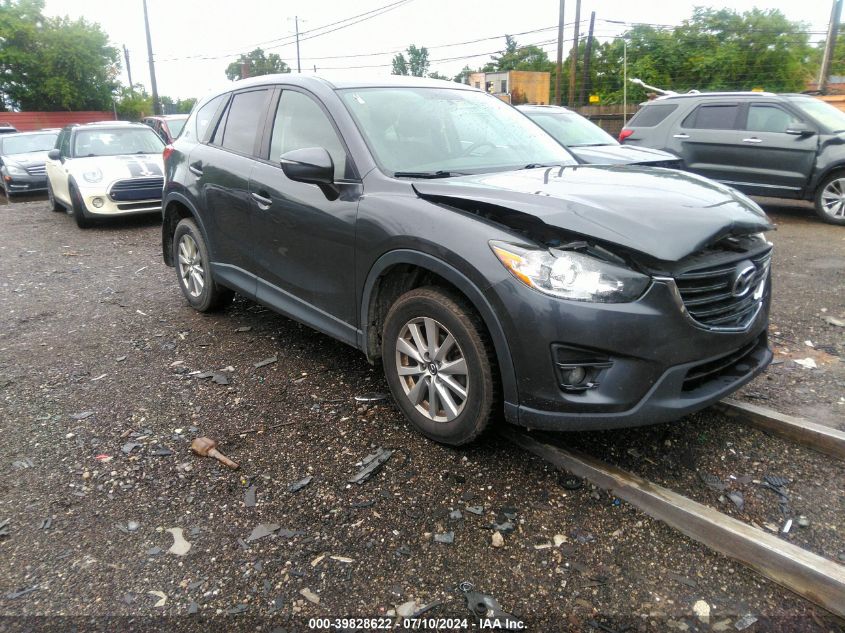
(22, 159)
(7, 128)
(778, 145)
(589, 143)
(437, 229)
(102, 170)
(167, 126)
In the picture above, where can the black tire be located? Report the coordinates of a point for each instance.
(212, 296)
(833, 188)
(455, 316)
(78, 208)
(55, 205)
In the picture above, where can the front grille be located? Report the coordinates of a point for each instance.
(717, 298)
(37, 170)
(733, 365)
(137, 189)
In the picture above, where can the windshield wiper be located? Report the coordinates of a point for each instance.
(535, 165)
(425, 174)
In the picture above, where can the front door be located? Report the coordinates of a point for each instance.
(304, 241)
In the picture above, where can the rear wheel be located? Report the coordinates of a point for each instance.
(440, 365)
(190, 253)
(78, 208)
(830, 199)
(54, 204)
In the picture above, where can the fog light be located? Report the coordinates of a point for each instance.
(97, 202)
(574, 377)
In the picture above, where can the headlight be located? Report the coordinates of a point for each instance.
(15, 170)
(571, 275)
(93, 175)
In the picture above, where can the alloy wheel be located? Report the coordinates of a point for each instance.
(191, 265)
(432, 369)
(833, 198)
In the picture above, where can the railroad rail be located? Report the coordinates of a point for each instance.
(818, 579)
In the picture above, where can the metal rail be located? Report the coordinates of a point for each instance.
(813, 577)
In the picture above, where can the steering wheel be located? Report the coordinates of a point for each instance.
(475, 146)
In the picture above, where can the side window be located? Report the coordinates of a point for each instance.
(300, 122)
(65, 146)
(713, 117)
(59, 139)
(652, 114)
(243, 119)
(768, 118)
(204, 116)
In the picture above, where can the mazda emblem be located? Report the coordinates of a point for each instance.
(743, 279)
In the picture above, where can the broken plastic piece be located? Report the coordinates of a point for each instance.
(482, 605)
(744, 622)
(249, 497)
(371, 465)
(371, 398)
(299, 485)
(738, 499)
(180, 546)
(266, 361)
(206, 447)
(446, 538)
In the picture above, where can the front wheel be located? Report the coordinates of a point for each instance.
(830, 199)
(440, 365)
(190, 253)
(54, 204)
(78, 208)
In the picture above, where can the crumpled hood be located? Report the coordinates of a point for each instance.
(620, 154)
(663, 213)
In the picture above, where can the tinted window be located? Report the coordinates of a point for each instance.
(651, 115)
(205, 115)
(244, 117)
(300, 122)
(713, 117)
(768, 118)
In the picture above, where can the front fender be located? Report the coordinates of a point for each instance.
(463, 284)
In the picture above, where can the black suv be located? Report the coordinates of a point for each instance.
(436, 228)
(779, 145)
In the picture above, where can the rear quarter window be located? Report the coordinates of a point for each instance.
(651, 115)
(717, 116)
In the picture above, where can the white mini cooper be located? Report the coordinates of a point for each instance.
(105, 169)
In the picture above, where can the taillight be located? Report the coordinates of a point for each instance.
(625, 133)
(166, 152)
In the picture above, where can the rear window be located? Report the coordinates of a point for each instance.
(205, 115)
(246, 113)
(651, 115)
(713, 117)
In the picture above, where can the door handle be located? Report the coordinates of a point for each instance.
(680, 136)
(263, 201)
(752, 140)
(196, 168)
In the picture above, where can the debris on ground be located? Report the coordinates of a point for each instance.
(130, 446)
(446, 538)
(21, 464)
(17, 593)
(371, 464)
(803, 521)
(477, 510)
(738, 499)
(180, 546)
(371, 398)
(249, 497)
(497, 540)
(806, 363)
(299, 485)
(161, 451)
(744, 622)
(206, 447)
(309, 595)
(261, 530)
(193, 608)
(267, 361)
(571, 482)
(701, 610)
(132, 526)
(483, 605)
(712, 482)
(46, 523)
(834, 321)
(245, 328)
(237, 609)
(161, 596)
(82, 416)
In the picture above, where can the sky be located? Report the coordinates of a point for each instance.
(194, 40)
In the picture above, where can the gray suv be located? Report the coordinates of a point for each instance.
(779, 145)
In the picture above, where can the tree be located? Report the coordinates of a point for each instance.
(415, 64)
(516, 57)
(54, 63)
(463, 76)
(436, 75)
(258, 64)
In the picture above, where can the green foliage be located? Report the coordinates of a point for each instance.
(416, 64)
(259, 64)
(179, 106)
(516, 57)
(133, 103)
(53, 63)
(463, 76)
(436, 75)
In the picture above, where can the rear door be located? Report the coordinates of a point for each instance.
(770, 161)
(709, 140)
(222, 168)
(303, 241)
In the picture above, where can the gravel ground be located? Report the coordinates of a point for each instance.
(99, 407)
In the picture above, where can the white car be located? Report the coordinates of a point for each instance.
(105, 169)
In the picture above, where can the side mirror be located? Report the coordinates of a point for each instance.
(312, 165)
(54, 154)
(800, 129)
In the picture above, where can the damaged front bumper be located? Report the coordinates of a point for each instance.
(588, 366)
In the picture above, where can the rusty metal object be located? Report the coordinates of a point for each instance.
(206, 447)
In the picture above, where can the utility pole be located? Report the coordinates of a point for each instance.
(585, 82)
(830, 45)
(298, 66)
(128, 67)
(559, 53)
(156, 104)
(574, 56)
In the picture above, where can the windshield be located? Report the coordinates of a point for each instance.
(430, 130)
(571, 129)
(98, 142)
(28, 143)
(175, 126)
(821, 112)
